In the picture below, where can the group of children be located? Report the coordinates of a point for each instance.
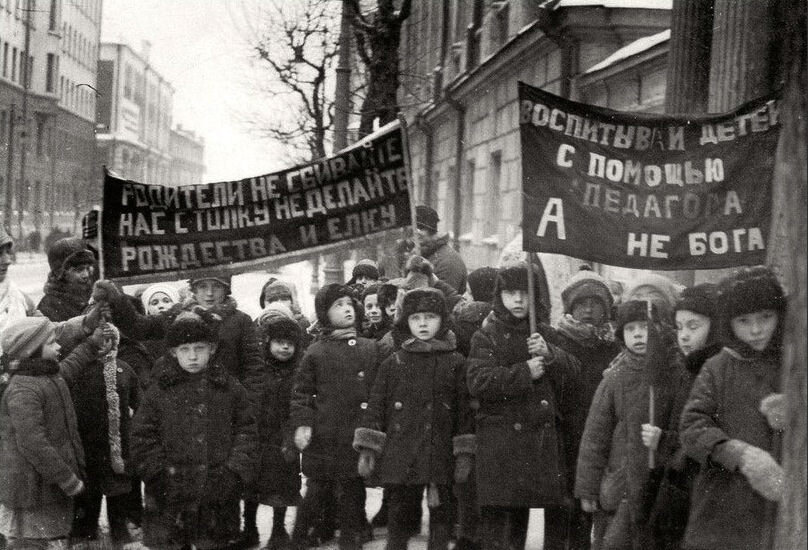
(402, 384)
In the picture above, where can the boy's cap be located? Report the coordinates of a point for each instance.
(69, 252)
(365, 268)
(25, 336)
(698, 299)
(421, 300)
(629, 312)
(275, 289)
(326, 296)
(481, 282)
(213, 275)
(188, 327)
(426, 218)
(277, 322)
(666, 287)
(750, 289)
(585, 284)
(514, 277)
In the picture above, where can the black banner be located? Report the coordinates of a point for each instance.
(647, 191)
(154, 232)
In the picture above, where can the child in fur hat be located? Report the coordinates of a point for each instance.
(526, 388)
(275, 291)
(612, 466)
(278, 482)
(733, 420)
(365, 273)
(41, 459)
(415, 449)
(330, 393)
(194, 443)
(70, 281)
(376, 323)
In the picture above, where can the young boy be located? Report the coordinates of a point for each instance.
(525, 388)
(417, 418)
(376, 323)
(613, 458)
(733, 420)
(194, 443)
(330, 394)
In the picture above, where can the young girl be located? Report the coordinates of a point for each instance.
(158, 298)
(417, 418)
(733, 420)
(330, 393)
(41, 458)
(376, 323)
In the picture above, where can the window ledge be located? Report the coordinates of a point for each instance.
(493, 240)
(465, 238)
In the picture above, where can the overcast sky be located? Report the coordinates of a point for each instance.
(198, 45)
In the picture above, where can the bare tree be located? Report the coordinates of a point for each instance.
(378, 36)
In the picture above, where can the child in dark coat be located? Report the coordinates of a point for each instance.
(194, 443)
(330, 394)
(376, 323)
(526, 389)
(417, 419)
(733, 421)
(278, 479)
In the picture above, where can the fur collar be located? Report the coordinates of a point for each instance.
(34, 367)
(170, 374)
(74, 294)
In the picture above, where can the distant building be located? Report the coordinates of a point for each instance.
(133, 114)
(187, 157)
(60, 166)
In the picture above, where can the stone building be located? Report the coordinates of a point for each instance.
(48, 155)
(187, 152)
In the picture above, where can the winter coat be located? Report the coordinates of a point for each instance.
(190, 435)
(40, 449)
(330, 393)
(447, 263)
(418, 414)
(612, 460)
(278, 476)
(63, 300)
(520, 422)
(468, 317)
(238, 350)
(725, 511)
(141, 356)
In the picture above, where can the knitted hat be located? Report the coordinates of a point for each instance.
(422, 300)
(275, 289)
(169, 290)
(514, 277)
(277, 322)
(364, 268)
(5, 238)
(628, 312)
(69, 252)
(426, 218)
(481, 283)
(660, 283)
(585, 284)
(698, 299)
(187, 328)
(25, 336)
(212, 275)
(326, 296)
(750, 289)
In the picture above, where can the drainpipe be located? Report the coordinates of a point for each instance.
(426, 129)
(460, 110)
(548, 22)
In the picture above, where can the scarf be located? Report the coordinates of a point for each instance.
(585, 334)
(412, 344)
(13, 304)
(110, 369)
(339, 334)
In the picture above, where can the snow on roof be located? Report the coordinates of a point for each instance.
(646, 4)
(638, 46)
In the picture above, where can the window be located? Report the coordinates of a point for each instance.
(40, 137)
(3, 121)
(495, 180)
(500, 29)
(474, 35)
(29, 72)
(53, 15)
(14, 64)
(467, 210)
(5, 60)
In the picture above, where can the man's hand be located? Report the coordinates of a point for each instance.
(302, 437)
(105, 291)
(367, 462)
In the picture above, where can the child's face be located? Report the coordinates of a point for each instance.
(341, 314)
(755, 329)
(635, 334)
(51, 348)
(372, 310)
(209, 293)
(424, 325)
(281, 349)
(692, 330)
(159, 302)
(80, 274)
(365, 280)
(589, 310)
(286, 300)
(515, 301)
(391, 310)
(194, 356)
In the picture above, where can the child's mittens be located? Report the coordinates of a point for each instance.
(536, 366)
(367, 462)
(651, 435)
(589, 505)
(463, 462)
(764, 474)
(302, 437)
(105, 291)
(773, 407)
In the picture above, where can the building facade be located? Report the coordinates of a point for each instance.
(134, 114)
(47, 126)
(187, 152)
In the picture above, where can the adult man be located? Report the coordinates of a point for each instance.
(70, 281)
(447, 263)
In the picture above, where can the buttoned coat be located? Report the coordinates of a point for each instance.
(330, 394)
(520, 422)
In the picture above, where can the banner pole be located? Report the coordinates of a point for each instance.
(99, 240)
(651, 379)
(531, 293)
(405, 143)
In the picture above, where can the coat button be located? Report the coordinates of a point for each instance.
(360, 374)
(517, 426)
(544, 403)
(427, 426)
(547, 424)
(351, 342)
(120, 369)
(429, 406)
(399, 405)
(363, 405)
(200, 438)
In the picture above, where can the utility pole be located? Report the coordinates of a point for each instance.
(26, 83)
(10, 169)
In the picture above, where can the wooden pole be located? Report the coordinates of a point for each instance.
(406, 146)
(651, 396)
(531, 294)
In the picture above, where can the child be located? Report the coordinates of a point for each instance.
(613, 460)
(278, 291)
(158, 298)
(194, 443)
(733, 420)
(376, 323)
(41, 459)
(468, 316)
(387, 299)
(278, 483)
(525, 388)
(329, 396)
(417, 418)
(364, 273)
